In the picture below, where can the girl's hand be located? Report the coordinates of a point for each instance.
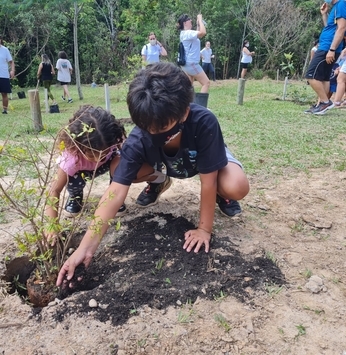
(195, 239)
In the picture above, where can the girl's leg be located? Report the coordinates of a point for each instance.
(204, 81)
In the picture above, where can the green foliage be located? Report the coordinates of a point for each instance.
(288, 66)
(257, 74)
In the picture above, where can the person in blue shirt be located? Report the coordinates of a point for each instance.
(330, 46)
(173, 138)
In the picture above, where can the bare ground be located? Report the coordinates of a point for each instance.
(274, 282)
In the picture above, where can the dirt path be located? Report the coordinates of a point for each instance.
(274, 282)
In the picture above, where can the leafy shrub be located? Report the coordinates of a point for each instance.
(257, 74)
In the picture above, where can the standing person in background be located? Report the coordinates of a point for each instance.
(64, 68)
(192, 45)
(5, 86)
(207, 55)
(151, 51)
(246, 58)
(330, 46)
(45, 73)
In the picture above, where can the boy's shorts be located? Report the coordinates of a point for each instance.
(319, 69)
(192, 69)
(231, 158)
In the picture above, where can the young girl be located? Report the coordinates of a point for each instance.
(45, 73)
(64, 68)
(90, 143)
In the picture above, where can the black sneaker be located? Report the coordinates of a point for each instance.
(121, 211)
(4, 112)
(63, 97)
(322, 108)
(73, 206)
(229, 208)
(309, 110)
(150, 194)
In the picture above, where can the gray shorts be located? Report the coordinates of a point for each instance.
(231, 158)
(192, 69)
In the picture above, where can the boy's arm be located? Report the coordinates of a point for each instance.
(196, 238)
(108, 206)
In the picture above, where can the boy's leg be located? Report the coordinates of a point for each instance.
(158, 183)
(232, 185)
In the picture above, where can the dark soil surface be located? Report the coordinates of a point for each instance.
(148, 266)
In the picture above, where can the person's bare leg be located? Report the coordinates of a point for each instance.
(340, 88)
(321, 88)
(243, 73)
(232, 182)
(4, 100)
(204, 81)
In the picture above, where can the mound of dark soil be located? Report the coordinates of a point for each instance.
(148, 266)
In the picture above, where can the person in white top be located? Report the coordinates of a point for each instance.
(151, 51)
(246, 58)
(5, 75)
(192, 45)
(207, 55)
(64, 69)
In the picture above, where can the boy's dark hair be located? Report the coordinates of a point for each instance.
(91, 129)
(159, 95)
(62, 55)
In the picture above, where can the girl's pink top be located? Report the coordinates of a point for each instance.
(72, 163)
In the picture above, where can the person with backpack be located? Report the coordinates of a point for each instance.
(190, 40)
(151, 51)
(45, 73)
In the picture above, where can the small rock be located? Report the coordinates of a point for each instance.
(315, 284)
(92, 303)
(263, 207)
(179, 303)
(71, 250)
(103, 306)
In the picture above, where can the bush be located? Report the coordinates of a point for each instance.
(257, 74)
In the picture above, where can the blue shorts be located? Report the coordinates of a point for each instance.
(231, 158)
(192, 69)
(5, 86)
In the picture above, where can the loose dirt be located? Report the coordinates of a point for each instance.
(273, 282)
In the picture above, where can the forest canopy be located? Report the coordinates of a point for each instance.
(109, 34)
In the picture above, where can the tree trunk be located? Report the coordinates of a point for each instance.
(76, 56)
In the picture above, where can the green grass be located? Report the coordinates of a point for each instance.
(268, 135)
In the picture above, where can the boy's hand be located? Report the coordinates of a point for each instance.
(195, 238)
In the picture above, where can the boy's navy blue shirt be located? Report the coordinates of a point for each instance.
(202, 150)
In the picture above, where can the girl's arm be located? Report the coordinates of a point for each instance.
(53, 71)
(107, 208)
(200, 27)
(56, 187)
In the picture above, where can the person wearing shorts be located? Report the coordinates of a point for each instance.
(64, 68)
(5, 75)
(329, 49)
(191, 41)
